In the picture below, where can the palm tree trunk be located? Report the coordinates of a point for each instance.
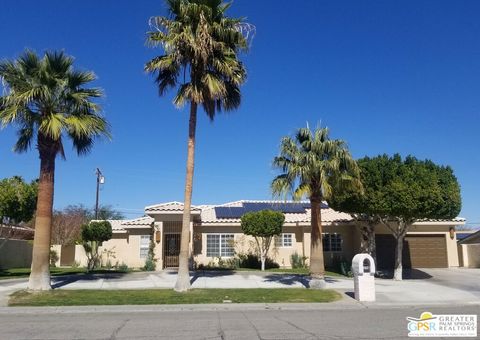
(40, 271)
(183, 278)
(317, 266)
(398, 271)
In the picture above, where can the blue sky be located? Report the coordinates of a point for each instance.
(387, 76)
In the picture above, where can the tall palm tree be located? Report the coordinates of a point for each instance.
(47, 100)
(312, 164)
(201, 46)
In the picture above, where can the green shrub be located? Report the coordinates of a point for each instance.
(150, 265)
(249, 260)
(75, 264)
(108, 265)
(252, 261)
(53, 257)
(298, 261)
(218, 264)
(341, 266)
(123, 268)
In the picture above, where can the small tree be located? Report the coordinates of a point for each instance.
(17, 200)
(151, 261)
(17, 204)
(67, 224)
(106, 212)
(93, 234)
(263, 226)
(398, 192)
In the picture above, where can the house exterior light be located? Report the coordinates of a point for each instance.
(452, 232)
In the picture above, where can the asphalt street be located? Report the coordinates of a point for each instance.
(130, 322)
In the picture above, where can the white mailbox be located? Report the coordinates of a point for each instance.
(363, 268)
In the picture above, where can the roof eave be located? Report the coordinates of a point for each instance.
(171, 212)
(440, 223)
(287, 224)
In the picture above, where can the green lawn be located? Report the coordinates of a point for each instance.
(54, 271)
(168, 296)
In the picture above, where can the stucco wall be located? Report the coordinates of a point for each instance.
(281, 255)
(126, 246)
(470, 255)
(15, 254)
(122, 248)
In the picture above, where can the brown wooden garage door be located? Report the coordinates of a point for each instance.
(419, 251)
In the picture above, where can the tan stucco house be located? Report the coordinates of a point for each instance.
(469, 250)
(216, 232)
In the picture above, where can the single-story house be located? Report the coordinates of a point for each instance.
(15, 246)
(469, 250)
(215, 232)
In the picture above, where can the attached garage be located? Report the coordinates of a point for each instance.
(419, 251)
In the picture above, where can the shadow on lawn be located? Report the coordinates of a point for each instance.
(60, 281)
(288, 279)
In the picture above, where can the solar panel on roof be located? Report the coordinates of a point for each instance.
(229, 212)
(285, 207)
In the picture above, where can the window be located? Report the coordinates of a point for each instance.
(332, 242)
(284, 240)
(144, 245)
(220, 245)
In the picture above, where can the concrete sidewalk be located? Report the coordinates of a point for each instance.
(166, 279)
(436, 290)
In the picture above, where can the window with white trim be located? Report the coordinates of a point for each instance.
(144, 245)
(220, 245)
(284, 240)
(332, 242)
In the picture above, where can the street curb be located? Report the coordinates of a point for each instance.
(179, 308)
(212, 307)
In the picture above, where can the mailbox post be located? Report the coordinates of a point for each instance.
(363, 268)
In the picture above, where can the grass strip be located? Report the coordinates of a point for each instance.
(16, 273)
(84, 297)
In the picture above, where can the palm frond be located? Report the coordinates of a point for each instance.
(25, 137)
(46, 98)
(202, 43)
(314, 162)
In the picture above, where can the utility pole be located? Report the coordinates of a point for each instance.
(100, 180)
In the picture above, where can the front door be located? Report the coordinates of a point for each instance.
(171, 250)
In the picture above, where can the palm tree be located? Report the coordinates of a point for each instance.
(47, 100)
(201, 46)
(312, 164)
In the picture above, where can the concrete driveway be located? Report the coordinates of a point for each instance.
(456, 286)
(440, 285)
